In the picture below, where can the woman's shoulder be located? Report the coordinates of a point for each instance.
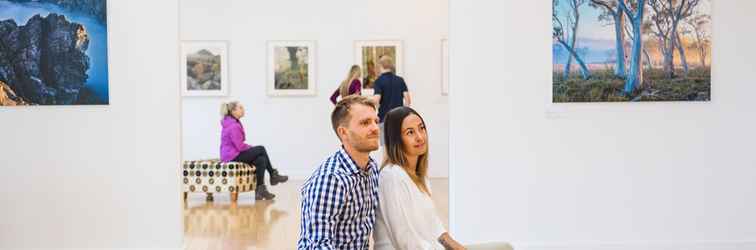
(391, 168)
(392, 172)
(355, 85)
(230, 123)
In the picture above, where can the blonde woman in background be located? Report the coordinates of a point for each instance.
(234, 148)
(349, 86)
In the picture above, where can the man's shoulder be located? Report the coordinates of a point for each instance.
(387, 76)
(330, 168)
(379, 80)
(400, 80)
(394, 79)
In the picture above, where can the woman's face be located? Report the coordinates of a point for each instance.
(414, 136)
(357, 74)
(238, 112)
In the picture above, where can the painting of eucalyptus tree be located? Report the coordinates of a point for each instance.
(291, 68)
(53, 52)
(631, 50)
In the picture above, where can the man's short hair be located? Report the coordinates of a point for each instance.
(386, 62)
(340, 115)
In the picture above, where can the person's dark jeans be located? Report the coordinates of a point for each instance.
(257, 156)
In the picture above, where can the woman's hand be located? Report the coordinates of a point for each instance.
(449, 243)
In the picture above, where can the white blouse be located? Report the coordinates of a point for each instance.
(406, 217)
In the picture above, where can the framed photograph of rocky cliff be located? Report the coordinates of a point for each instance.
(367, 53)
(291, 68)
(53, 52)
(204, 68)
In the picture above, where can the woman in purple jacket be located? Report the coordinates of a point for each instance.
(350, 86)
(233, 148)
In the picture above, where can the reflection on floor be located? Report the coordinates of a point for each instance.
(249, 225)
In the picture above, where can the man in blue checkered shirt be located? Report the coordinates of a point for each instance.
(340, 198)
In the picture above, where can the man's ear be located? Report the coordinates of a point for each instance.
(342, 132)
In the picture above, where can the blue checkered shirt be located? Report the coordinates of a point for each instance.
(338, 205)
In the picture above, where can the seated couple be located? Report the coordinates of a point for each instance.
(346, 197)
(234, 148)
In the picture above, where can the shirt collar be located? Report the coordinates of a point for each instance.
(351, 166)
(387, 73)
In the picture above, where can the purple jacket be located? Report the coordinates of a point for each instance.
(232, 139)
(354, 88)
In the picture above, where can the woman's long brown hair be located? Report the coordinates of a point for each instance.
(395, 153)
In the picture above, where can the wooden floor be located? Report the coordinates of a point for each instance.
(249, 225)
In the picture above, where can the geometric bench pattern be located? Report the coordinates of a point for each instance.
(214, 176)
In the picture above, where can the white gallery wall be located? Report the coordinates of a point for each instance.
(101, 176)
(297, 130)
(595, 176)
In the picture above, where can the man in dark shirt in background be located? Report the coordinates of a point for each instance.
(390, 90)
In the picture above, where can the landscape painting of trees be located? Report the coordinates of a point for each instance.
(290, 68)
(631, 50)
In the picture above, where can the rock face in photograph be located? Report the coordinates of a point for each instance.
(8, 97)
(204, 71)
(94, 8)
(44, 61)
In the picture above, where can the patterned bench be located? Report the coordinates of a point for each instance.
(214, 176)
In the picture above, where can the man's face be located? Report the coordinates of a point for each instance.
(362, 132)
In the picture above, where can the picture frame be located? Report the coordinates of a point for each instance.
(291, 68)
(56, 53)
(367, 53)
(204, 68)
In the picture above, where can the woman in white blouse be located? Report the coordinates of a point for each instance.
(406, 218)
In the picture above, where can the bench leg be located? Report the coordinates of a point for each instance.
(234, 197)
(209, 197)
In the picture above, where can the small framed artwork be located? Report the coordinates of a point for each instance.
(445, 67)
(291, 68)
(367, 53)
(204, 68)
